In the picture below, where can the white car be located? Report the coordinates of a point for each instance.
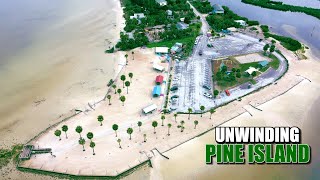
(207, 95)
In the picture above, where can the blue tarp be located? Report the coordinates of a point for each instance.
(156, 91)
(263, 63)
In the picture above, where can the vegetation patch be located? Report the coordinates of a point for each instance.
(6, 155)
(202, 6)
(287, 42)
(283, 7)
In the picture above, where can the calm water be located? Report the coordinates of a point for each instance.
(302, 27)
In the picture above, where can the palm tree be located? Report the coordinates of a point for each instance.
(79, 130)
(109, 98)
(115, 128)
(144, 137)
(115, 88)
(82, 142)
(127, 83)
(122, 99)
(100, 119)
(190, 111)
(195, 124)
(119, 91)
(119, 141)
(130, 131)
(162, 118)
(175, 117)
(65, 129)
(123, 78)
(58, 134)
(139, 124)
(130, 76)
(211, 112)
(126, 56)
(92, 145)
(154, 125)
(181, 126)
(132, 55)
(169, 126)
(90, 136)
(202, 109)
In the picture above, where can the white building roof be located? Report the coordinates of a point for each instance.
(149, 108)
(251, 70)
(158, 67)
(162, 49)
(232, 29)
(137, 16)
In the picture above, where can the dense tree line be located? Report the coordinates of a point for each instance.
(284, 7)
(127, 43)
(203, 7)
(224, 21)
(287, 42)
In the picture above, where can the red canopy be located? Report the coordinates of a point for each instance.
(159, 79)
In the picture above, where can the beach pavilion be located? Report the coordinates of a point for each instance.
(156, 91)
(159, 79)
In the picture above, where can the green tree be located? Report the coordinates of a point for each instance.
(181, 125)
(254, 73)
(139, 124)
(211, 112)
(169, 126)
(162, 119)
(130, 131)
(115, 128)
(238, 75)
(123, 78)
(154, 125)
(175, 117)
(90, 136)
(126, 56)
(202, 109)
(79, 130)
(195, 123)
(233, 69)
(122, 99)
(65, 129)
(130, 76)
(272, 48)
(273, 41)
(92, 145)
(119, 141)
(58, 134)
(127, 83)
(115, 88)
(119, 91)
(144, 137)
(190, 111)
(215, 93)
(100, 119)
(109, 98)
(82, 142)
(265, 48)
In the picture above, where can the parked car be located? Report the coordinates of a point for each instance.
(174, 88)
(206, 87)
(207, 95)
(174, 96)
(200, 52)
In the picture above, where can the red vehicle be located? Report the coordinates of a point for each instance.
(227, 92)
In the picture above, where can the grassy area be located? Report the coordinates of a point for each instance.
(275, 63)
(6, 155)
(244, 67)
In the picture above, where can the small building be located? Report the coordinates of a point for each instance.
(156, 91)
(241, 22)
(162, 2)
(221, 66)
(232, 29)
(137, 16)
(263, 63)
(182, 26)
(159, 79)
(161, 50)
(177, 48)
(250, 70)
(149, 109)
(170, 14)
(217, 9)
(158, 67)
